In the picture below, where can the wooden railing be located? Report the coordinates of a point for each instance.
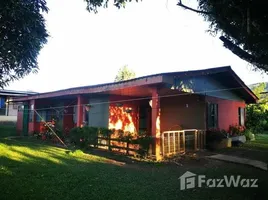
(115, 144)
(176, 142)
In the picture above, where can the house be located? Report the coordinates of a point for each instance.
(201, 99)
(9, 109)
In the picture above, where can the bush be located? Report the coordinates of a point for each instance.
(257, 118)
(249, 135)
(144, 141)
(215, 136)
(236, 130)
(84, 136)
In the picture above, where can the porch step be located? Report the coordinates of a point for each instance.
(245, 161)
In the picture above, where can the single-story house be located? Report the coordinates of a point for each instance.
(8, 108)
(201, 99)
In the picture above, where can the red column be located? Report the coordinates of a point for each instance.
(80, 110)
(156, 134)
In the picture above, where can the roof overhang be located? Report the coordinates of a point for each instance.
(132, 87)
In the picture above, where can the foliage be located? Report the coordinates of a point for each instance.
(257, 114)
(257, 118)
(144, 141)
(85, 136)
(236, 130)
(249, 135)
(215, 135)
(23, 34)
(243, 27)
(124, 73)
(93, 5)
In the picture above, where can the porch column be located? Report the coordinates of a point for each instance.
(32, 118)
(156, 124)
(80, 110)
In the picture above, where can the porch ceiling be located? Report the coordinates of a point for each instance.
(144, 91)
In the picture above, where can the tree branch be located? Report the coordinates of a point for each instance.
(192, 9)
(243, 54)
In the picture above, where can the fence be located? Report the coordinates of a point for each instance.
(180, 141)
(115, 144)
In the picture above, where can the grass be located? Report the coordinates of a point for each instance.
(7, 130)
(257, 149)
(31, 170)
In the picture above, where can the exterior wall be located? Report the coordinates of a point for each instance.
(119, 118)
(227, 111)
(68, 121)
(205, 85)
(98, 114)
(8, 118)
(187, 111)
(12, 109)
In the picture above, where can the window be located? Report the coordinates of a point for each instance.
(212, 115)
(241, 116)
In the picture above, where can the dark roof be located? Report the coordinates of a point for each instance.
(144, 80)
(16, 93)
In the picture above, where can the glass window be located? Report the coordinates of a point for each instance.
(212, 115)
(241, 116)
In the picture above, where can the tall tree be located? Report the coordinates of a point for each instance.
(23, 34)
(124, 73)
(242, 25)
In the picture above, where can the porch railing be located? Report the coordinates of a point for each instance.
(180, 141)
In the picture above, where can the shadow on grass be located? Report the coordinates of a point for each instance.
(36, 171)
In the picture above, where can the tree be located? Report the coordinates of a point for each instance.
(242, 25)
(257, 114)
(124, 73)
(23, 34)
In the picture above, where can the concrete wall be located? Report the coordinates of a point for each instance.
(227, 111)
(98, 115)
(8, 119)
(187, 111)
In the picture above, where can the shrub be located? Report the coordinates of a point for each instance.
(236, 130)
(215, 136)
(249, 135)
(144, 141)
(257, 118)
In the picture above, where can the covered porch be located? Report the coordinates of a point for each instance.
(151, 109)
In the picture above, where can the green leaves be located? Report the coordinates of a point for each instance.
(23, 33)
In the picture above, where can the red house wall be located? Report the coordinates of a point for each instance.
(227, 111)
(68, 122)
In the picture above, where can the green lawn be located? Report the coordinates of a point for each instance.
(257, 149)
(31, 170)
(7, 130)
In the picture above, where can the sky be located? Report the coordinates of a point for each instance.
(150, 37)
